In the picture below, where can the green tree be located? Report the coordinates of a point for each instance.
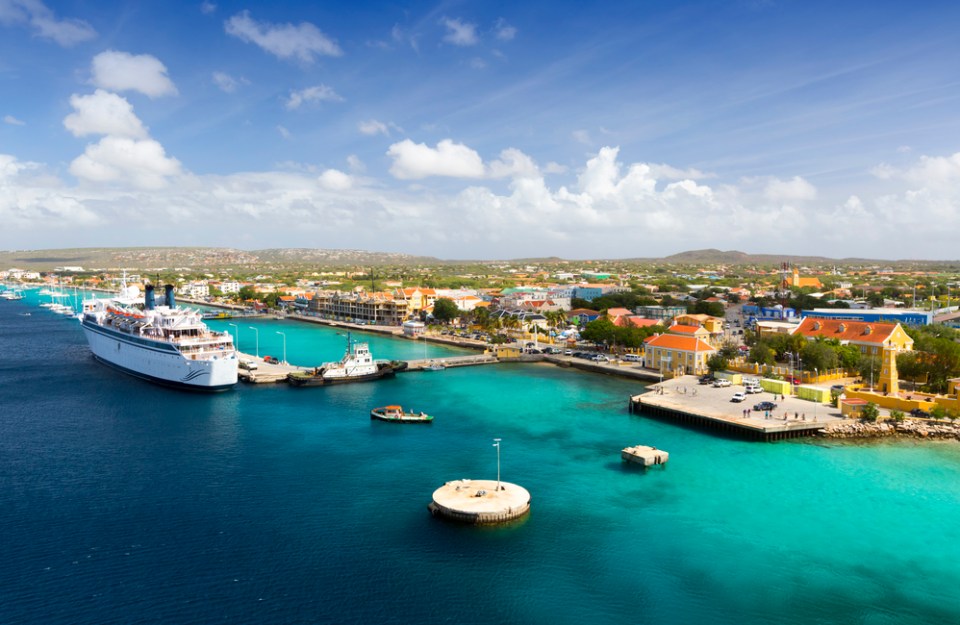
(716, 363)
(714, 309)
(601, 331)
(818, 355)
(761, 353)
(444, 310)
(910, 367)
(869, 369)
(870, 412)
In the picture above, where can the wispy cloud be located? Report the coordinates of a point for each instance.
(504, 31)
(460, 33)
(312, 95)
(13, 121)
(227, 83)
(44, 23)
(303, 41)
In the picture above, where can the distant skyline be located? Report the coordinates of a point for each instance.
(483, 129)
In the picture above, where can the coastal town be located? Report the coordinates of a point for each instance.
(831, 344)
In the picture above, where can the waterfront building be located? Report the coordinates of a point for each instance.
(375, 308)
(871, 338)
(677, 355)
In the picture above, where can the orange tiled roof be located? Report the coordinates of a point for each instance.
(672, 341)
(843, 330)
(682, 329)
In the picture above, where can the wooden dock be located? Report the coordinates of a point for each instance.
(683, 401)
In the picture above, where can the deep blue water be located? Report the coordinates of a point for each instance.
(124, 502)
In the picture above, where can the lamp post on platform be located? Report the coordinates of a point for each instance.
(258, 339)
(284, 346)
(496, 443)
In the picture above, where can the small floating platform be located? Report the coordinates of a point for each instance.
(397, 415)
(478, 502)
(647, 456)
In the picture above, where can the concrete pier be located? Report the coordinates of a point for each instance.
(682, 400)
(644, 455)
(478, 502)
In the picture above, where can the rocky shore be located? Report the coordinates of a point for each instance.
(907, 428)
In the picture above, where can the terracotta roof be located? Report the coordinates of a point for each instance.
(845, 330)
(635, 321)
(682, 329)
(672, 341)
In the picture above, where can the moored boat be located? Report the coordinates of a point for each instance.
(357, 365)
(396, 414)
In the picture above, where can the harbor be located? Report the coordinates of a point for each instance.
(681, 400)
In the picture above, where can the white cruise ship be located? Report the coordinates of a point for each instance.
(163, 344)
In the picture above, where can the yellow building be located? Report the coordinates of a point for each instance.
(871, 337)
(677, 355)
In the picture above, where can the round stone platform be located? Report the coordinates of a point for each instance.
(478, 502)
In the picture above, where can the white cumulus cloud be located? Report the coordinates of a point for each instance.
(794, 190)
(335, 180)
(44, 23)
(460, 33)
(302, 41)
(103, 113)
(312, 95)
(412, 161)
(142, 162)
(122, 71)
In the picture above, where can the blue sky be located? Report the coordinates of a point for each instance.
(483, 129)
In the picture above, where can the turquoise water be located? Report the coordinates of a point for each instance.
(126, 502)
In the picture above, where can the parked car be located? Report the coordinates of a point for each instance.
(765, 405)
(738, 396)
(721, 383)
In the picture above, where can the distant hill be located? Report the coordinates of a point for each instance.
(195, 258)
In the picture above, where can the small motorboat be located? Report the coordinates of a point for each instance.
(397, 415)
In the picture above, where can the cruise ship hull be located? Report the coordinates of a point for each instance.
(159, 362)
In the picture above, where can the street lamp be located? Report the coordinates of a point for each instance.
(496, 443)
(284, 346)
(237, 332)
(258, 339)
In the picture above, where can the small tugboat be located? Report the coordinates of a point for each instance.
(397, 415)
(357, 365)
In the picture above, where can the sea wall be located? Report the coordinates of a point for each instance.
(907, 428)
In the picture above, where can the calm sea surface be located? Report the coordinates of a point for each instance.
(124, 502)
